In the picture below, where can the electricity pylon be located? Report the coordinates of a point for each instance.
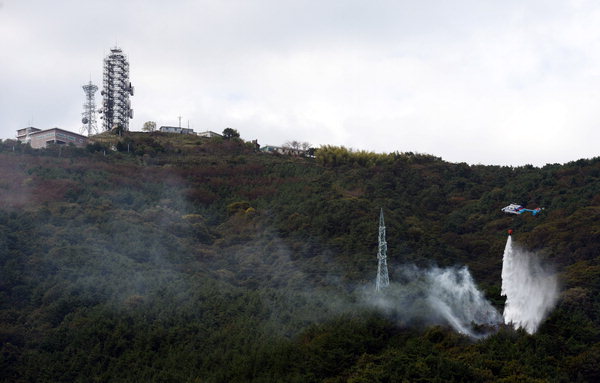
(383, 279)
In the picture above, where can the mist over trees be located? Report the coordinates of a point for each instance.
(182, 259)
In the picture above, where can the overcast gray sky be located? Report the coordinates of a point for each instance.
(491, 82)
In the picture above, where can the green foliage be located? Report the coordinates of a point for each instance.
(334, 156)
(187, 259)
(149, 126)
(229, 133)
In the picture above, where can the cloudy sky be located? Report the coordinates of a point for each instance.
(484, 82)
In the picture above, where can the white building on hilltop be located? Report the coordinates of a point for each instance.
(176, 130)
(41, 138)
(24, 135)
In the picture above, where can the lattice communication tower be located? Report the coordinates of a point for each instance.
(383, 279)
(88, 117)
(116, 107)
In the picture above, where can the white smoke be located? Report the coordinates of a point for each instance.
(531, 291)
(438, 296)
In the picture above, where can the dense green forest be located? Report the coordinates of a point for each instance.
(164, 258)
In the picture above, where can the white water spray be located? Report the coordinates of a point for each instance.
(531, 291)
(437, 296)
(454, 295)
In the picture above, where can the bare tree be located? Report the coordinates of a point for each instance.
(292, 145)
(297, 145)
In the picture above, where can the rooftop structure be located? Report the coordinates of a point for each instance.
(116, 107)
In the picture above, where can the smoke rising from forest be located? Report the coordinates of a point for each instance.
(531, 290)
(446, 296)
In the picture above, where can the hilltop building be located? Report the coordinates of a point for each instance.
(116, 107)
(175, 129)
(209, 134)
(24, 135)
(180, 130)
(41, 138)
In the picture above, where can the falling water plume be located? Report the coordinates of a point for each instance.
(531, 291)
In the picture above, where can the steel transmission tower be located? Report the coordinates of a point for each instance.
(89, 110)
(116, 91)
(383, 279)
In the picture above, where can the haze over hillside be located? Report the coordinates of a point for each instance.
(181, 259)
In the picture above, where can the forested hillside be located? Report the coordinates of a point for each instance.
(185, 259)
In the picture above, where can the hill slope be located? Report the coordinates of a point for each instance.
(186, 259)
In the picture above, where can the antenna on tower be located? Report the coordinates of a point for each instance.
(383, 279)
(89, 110)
